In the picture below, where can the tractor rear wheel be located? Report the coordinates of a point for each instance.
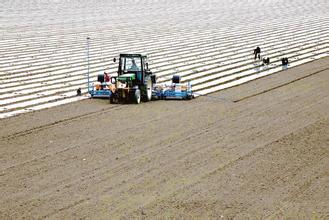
(112, 99)
(137, 96)
(148, 92)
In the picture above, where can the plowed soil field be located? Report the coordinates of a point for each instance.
(257, 150)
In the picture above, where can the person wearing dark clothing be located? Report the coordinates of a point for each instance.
(266, 61)
(79, 92)
(284, 61)
(257, 52)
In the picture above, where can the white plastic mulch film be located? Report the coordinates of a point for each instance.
(43, 51)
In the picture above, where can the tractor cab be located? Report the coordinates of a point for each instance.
(134, 81)
(133, 64)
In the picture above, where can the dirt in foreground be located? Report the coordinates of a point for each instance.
(257, 150)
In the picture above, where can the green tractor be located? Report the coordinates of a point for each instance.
(134, 82)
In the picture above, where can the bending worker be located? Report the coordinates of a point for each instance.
(257, 52)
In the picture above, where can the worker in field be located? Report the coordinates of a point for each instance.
(266, 61)
(79, 92)
(257, 52)
(107, 77)
(285, 61)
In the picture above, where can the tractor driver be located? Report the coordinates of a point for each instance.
(134, 67)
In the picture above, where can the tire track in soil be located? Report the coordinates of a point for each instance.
(170, 198)
(53, 124)
(154, 168)
(48, 126)
(282, 85)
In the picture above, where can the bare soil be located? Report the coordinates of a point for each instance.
(259, 150)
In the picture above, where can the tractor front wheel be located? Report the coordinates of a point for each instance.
(137, 96)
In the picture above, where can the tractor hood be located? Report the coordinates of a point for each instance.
(127, 77)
